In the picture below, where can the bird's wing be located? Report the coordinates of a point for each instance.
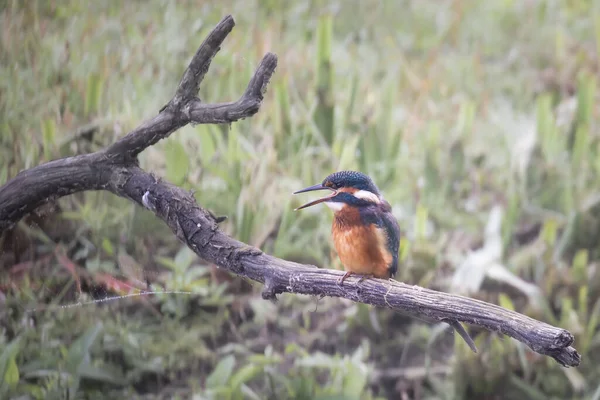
(390, 225)
(381, 216)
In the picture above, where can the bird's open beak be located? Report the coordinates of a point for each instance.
(313, 188)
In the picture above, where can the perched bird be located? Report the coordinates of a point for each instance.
(365, 234)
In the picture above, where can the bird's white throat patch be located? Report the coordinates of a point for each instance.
(335, 205)
(366, 195)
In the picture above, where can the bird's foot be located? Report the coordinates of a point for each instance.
(363, 277)
(348, 273)
(343, 278)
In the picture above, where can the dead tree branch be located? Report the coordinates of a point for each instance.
(116, 169)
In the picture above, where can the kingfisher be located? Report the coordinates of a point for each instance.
(365, 233)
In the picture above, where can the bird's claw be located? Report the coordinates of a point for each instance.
(340, 281)
(347, 274)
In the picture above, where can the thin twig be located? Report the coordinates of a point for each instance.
(194, 74)
(116, 169)
(463, 333)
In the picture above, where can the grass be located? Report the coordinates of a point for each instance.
(478, 120)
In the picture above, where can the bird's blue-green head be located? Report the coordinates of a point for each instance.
(346, 188)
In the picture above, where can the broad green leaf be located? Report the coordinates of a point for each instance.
(421, 218)
(466, 117)
(245, 374)
(166, 262)
(11, 376)
(8, 365)
(586, 94)
(506, 302)
(547, 130)
(580, 264)
(549, 231)
(108, 247)
(317, 359)
(249, 393)
(221, 373)
(597, 37)
(207, 144)
(93, 94)
(566, 311)
(355, 380)
(529, 391)
(404, 248)
(582, 303)
(184, 258)
(590, 330)
(5, 133)
(49, 137)
(100, 374)
(581, 149)
(352, 100)
(348, 156)
(324, 114)
(79, 351)
(177, 161)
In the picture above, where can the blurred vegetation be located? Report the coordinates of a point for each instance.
(478, 120)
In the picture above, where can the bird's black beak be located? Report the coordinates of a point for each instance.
(313, 188)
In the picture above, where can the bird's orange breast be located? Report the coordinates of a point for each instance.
(361, 248)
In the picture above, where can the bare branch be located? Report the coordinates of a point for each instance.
(197, 229)
(247, 105)
(33, 187)
(149, 133)
(194, 74)
(115, 169)
(186, 107)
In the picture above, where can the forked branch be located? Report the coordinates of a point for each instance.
(116, 169)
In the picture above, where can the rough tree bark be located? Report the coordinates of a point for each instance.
(116, 169)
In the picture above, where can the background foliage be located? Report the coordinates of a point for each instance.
(478, 120)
